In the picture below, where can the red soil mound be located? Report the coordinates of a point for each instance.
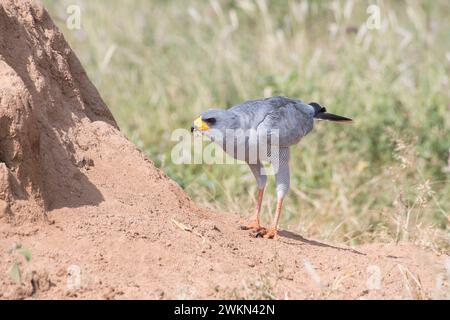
(48, 106)
(121, 228)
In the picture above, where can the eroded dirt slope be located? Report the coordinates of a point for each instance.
(117, 227)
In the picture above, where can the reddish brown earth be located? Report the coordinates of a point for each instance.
(100, 221)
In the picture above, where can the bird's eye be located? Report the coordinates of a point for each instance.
(210, 120)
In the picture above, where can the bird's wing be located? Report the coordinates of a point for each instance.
(287, 122)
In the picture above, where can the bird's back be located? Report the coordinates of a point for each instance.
(290, 119)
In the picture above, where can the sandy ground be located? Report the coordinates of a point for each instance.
(101, 222)
(121, 250)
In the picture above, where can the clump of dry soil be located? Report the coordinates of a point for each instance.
(100, 221)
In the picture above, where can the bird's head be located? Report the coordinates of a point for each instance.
(212, 119)
(214, 123)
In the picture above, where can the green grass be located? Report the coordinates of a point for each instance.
(158, 64)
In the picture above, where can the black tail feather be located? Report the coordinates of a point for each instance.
(331, 117)
(322, 114)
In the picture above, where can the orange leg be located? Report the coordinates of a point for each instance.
(254, 224)
(271, 233)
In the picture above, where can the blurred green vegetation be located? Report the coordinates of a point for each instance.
(158, 64)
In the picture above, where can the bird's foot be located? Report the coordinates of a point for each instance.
(270, 233)
(254, 225)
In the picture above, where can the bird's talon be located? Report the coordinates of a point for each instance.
(260, 233)
(271, 233)
(250, 226)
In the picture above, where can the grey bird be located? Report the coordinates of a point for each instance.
(276, 123)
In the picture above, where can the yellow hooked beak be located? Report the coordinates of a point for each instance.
(200, 124)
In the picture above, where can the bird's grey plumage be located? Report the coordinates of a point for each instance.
(277, 122)
(288, 119)
(284, 120)
(292, 118)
